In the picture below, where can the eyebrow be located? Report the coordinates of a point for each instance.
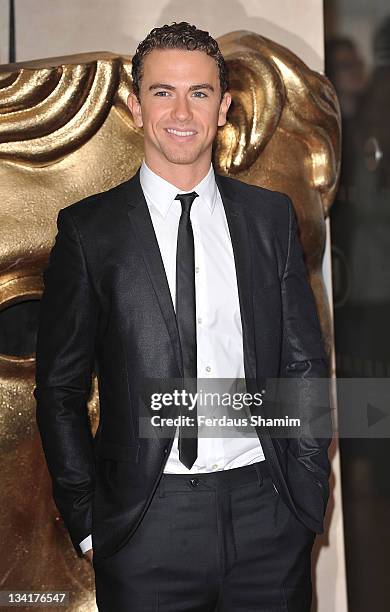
(172, 88)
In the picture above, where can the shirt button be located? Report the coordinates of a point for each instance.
(199, 319)
(208, 369)
(196, 269)
(215, 466)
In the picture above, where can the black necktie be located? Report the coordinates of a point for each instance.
(186, 322)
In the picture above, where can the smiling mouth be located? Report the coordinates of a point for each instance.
(183, 134)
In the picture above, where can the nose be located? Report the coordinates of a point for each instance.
(181, 109)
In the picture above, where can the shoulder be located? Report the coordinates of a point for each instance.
(253, 196)
(258, 201)
(96, 206)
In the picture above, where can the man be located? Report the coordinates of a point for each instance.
(179, 274)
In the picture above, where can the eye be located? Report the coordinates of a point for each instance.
(161, 94)
(199, 94)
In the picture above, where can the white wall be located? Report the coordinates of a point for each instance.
(49, 28)
(4, 31)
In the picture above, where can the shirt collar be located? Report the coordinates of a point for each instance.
(161, 193)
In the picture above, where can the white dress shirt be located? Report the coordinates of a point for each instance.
(218, 326)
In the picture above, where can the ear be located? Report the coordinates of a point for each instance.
(135, 109)
(257, 92)
(223, 108)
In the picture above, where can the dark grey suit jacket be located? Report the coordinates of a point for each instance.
(107, 307)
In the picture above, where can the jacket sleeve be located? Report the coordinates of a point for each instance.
(64, 365)
(304, 364)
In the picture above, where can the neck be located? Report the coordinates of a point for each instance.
(184, 176)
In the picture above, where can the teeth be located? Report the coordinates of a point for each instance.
(177, 133)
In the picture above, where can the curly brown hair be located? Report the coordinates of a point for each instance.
(178, 36)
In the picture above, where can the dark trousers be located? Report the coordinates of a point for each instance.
(217, 542)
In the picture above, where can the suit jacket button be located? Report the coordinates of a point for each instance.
(165, 450)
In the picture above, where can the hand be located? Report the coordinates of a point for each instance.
(89, 555)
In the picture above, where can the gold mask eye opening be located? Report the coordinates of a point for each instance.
(19, 313)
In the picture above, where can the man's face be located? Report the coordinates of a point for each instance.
(180, 107)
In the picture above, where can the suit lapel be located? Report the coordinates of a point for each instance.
(143, 231)
(241, 249)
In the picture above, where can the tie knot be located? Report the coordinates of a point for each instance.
(186, 200)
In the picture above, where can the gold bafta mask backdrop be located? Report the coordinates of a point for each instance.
(65, 133)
